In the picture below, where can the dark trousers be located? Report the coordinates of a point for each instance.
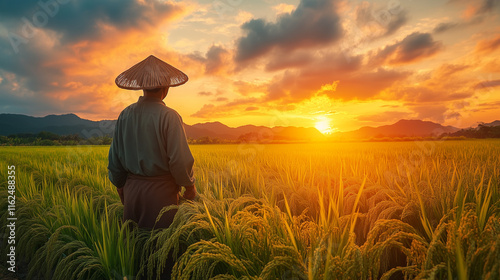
(144, 197)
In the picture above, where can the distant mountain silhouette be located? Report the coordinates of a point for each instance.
(482, 130)
(58, 124)
(402, 128)
(252, 132)
(11, 124)
(493, 123)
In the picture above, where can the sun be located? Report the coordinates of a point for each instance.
(323, 125)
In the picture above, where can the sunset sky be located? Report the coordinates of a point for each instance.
(336, 65)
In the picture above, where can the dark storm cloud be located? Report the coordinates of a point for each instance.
(76, 20)
(38, 63)
(15, 97)
(70, 20)
(31, 67)
(412, 48)
(313, 23)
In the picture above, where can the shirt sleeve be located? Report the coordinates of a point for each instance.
(180, 159)
(116, 173)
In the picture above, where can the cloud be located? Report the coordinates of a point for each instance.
(380, 22)
(83, 20)
(445, 26)
(454, 115)
(456, 25)
(492, 66)
(488, 45)
(231, 108)
(251, 108)
(207, 111)
(488, 84)
(448, 82)
(440, 95)
(412, 48)
(388, 116)
(351, 78)
(221, 99)
(280, 61)
(303, 83)
(446, 71)
(476, 8)
(283, 8)
(431, 112)
(205, 93)
(486, 6)
(217, 60)
(312, 23)
(78, 77)
(427, 94)
(245, 88)
(486, 106)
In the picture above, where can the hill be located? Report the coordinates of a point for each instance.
(14, 124)
(59, 124)
(402, 128)
(70, 124)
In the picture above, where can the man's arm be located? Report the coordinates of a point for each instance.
(117, 174)
(190, 192)
(180, 158)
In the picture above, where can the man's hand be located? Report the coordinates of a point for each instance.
(120, 193)
(190, 192)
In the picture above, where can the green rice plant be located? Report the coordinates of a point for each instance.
(294, 211)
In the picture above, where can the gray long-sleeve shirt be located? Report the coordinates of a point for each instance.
(149, 140)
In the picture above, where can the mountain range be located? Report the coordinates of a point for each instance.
(402, 128)
(11, 124)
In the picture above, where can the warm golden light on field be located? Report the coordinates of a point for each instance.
(323, 125)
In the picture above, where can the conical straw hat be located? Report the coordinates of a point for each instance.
(151, 73)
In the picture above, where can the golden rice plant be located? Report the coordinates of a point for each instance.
(412, 210)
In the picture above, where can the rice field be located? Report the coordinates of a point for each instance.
(392, 210)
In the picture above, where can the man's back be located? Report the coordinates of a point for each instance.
(149, 140)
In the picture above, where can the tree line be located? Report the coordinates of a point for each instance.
(482, 131)
(45, 138)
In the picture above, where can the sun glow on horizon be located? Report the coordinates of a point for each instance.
(324, 125)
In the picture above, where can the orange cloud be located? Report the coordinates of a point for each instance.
(488, 45)
(78, 77)
(412, 48)
(283, 8)
(470, 11)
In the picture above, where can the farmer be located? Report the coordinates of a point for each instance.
(149, 158)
